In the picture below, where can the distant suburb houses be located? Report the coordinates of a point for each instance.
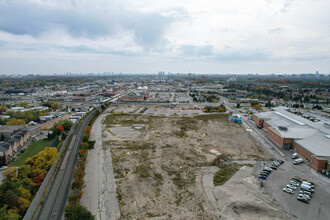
(16, 137)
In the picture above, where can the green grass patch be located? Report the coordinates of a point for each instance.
(33, 149)
(212, 116)
(223, 175)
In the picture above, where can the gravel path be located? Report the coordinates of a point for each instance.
(99, 195)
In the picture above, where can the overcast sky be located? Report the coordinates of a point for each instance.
(147, 36)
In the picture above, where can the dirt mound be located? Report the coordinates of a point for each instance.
(242, 198)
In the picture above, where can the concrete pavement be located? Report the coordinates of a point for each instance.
(100, 194)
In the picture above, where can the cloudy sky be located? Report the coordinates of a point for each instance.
(147, 36)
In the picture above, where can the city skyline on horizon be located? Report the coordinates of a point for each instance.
(260, 36)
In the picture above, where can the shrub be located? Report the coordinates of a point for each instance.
(224, 174)
(65, 123)
(77, 212)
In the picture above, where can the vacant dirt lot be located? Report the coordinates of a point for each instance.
(48, 124)
(159, 161)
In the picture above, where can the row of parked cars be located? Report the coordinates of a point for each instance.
(306, 189)
(267, 170)
(293, 185)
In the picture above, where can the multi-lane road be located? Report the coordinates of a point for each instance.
(56, 198)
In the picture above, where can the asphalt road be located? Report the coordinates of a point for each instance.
(54, 202)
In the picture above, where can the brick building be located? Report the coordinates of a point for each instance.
(135, 97)
(311, 140)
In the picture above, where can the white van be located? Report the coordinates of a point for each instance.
(298, 161)
(307, 184)
(294, 156)
(305, 187)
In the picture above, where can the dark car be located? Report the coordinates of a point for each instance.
(303, 199)
(262, 177)
(273, 167)
(296, 179)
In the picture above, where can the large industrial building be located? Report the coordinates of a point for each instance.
(309, 138)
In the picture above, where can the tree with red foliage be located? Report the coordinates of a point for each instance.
(60, 127)
(38, 180)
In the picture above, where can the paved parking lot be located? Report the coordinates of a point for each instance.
(319, 205)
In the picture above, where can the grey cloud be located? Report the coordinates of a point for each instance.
(276, 30)
(309, 58)
(148, 28)
(199, 51)
(286, 6)
(227, 54)
(88, 50)
(23, 18)
(252, 55)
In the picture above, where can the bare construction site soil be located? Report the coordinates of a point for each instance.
(163, 167)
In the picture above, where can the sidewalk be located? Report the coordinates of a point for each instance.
(320, 176)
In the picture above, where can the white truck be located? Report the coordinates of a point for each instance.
(307, 188)
(307, 184)
(298, 161)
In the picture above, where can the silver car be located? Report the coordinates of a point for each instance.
(287, 190)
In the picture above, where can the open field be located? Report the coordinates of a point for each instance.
(161, 161)
(34, 148)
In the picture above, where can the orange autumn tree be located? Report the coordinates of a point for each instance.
(60, 127)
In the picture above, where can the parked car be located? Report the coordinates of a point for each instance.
(269, 169)
(294, 156)
(296, 179)
(280, 161)
(303, 199)
(262, 177)
(306, 188)
(288, 190)
(308, 183)
(273, 167)
(305, 196)
(298, 161)
(276, 163)
(291, 187)
(306, 192)
(294, 183)
(3, 168)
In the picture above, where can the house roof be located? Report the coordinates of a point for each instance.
(3, 149)
(4, 145)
